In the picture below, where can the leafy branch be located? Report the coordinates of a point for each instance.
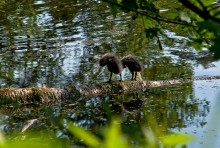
(205, 26)
(203, 13)
(156, 17)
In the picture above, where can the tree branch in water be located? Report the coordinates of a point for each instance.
(71, 93)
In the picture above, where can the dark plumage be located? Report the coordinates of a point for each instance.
(113, 63)
(133, 65)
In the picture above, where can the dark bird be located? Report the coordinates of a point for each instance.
(113, 63)
(133, 65)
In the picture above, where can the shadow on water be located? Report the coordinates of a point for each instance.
(60, 42)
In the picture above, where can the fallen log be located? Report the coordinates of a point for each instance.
(44, 95)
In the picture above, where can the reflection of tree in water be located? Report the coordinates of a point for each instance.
(176, 107)
(93, 113)
(36, 49)
(33, 57)
(166, 68)
(167, 105)
(36, 43)
(30, 53)
(170, 106)
(30, 68)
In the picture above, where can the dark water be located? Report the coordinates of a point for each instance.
(60, 42)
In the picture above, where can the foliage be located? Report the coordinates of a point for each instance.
(113, 137)
(34, 140)
(88, 138)
(175, 139)
(199, 18)
(44, 61)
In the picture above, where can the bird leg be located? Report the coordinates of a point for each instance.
(132, 77)
(121, 78)
(110, 79)
(135, 76)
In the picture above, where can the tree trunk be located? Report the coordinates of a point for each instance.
(43, 95)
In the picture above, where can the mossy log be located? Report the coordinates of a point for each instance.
(37, 95)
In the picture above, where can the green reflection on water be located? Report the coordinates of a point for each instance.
(161, 110)
(56, 42)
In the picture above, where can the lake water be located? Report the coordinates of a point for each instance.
(60, 42)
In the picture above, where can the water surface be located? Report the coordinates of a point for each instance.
(60, 42)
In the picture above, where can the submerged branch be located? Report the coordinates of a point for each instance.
(71, 93)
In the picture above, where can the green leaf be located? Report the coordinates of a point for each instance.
(87, 137)
(34, 140)
(148, 6)
(150, 137)
(176, 139)
(131, 4)
(215, 48)
(152, 32)
(197, 44)
(114, 137)
(217, 14)
(210, 26)
(185, 17)
(208, 2)
(148, 23)
(2, 139)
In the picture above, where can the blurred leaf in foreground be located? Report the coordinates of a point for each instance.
(176, 139)
(33, 140)
(114, 137)
(88, 138)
